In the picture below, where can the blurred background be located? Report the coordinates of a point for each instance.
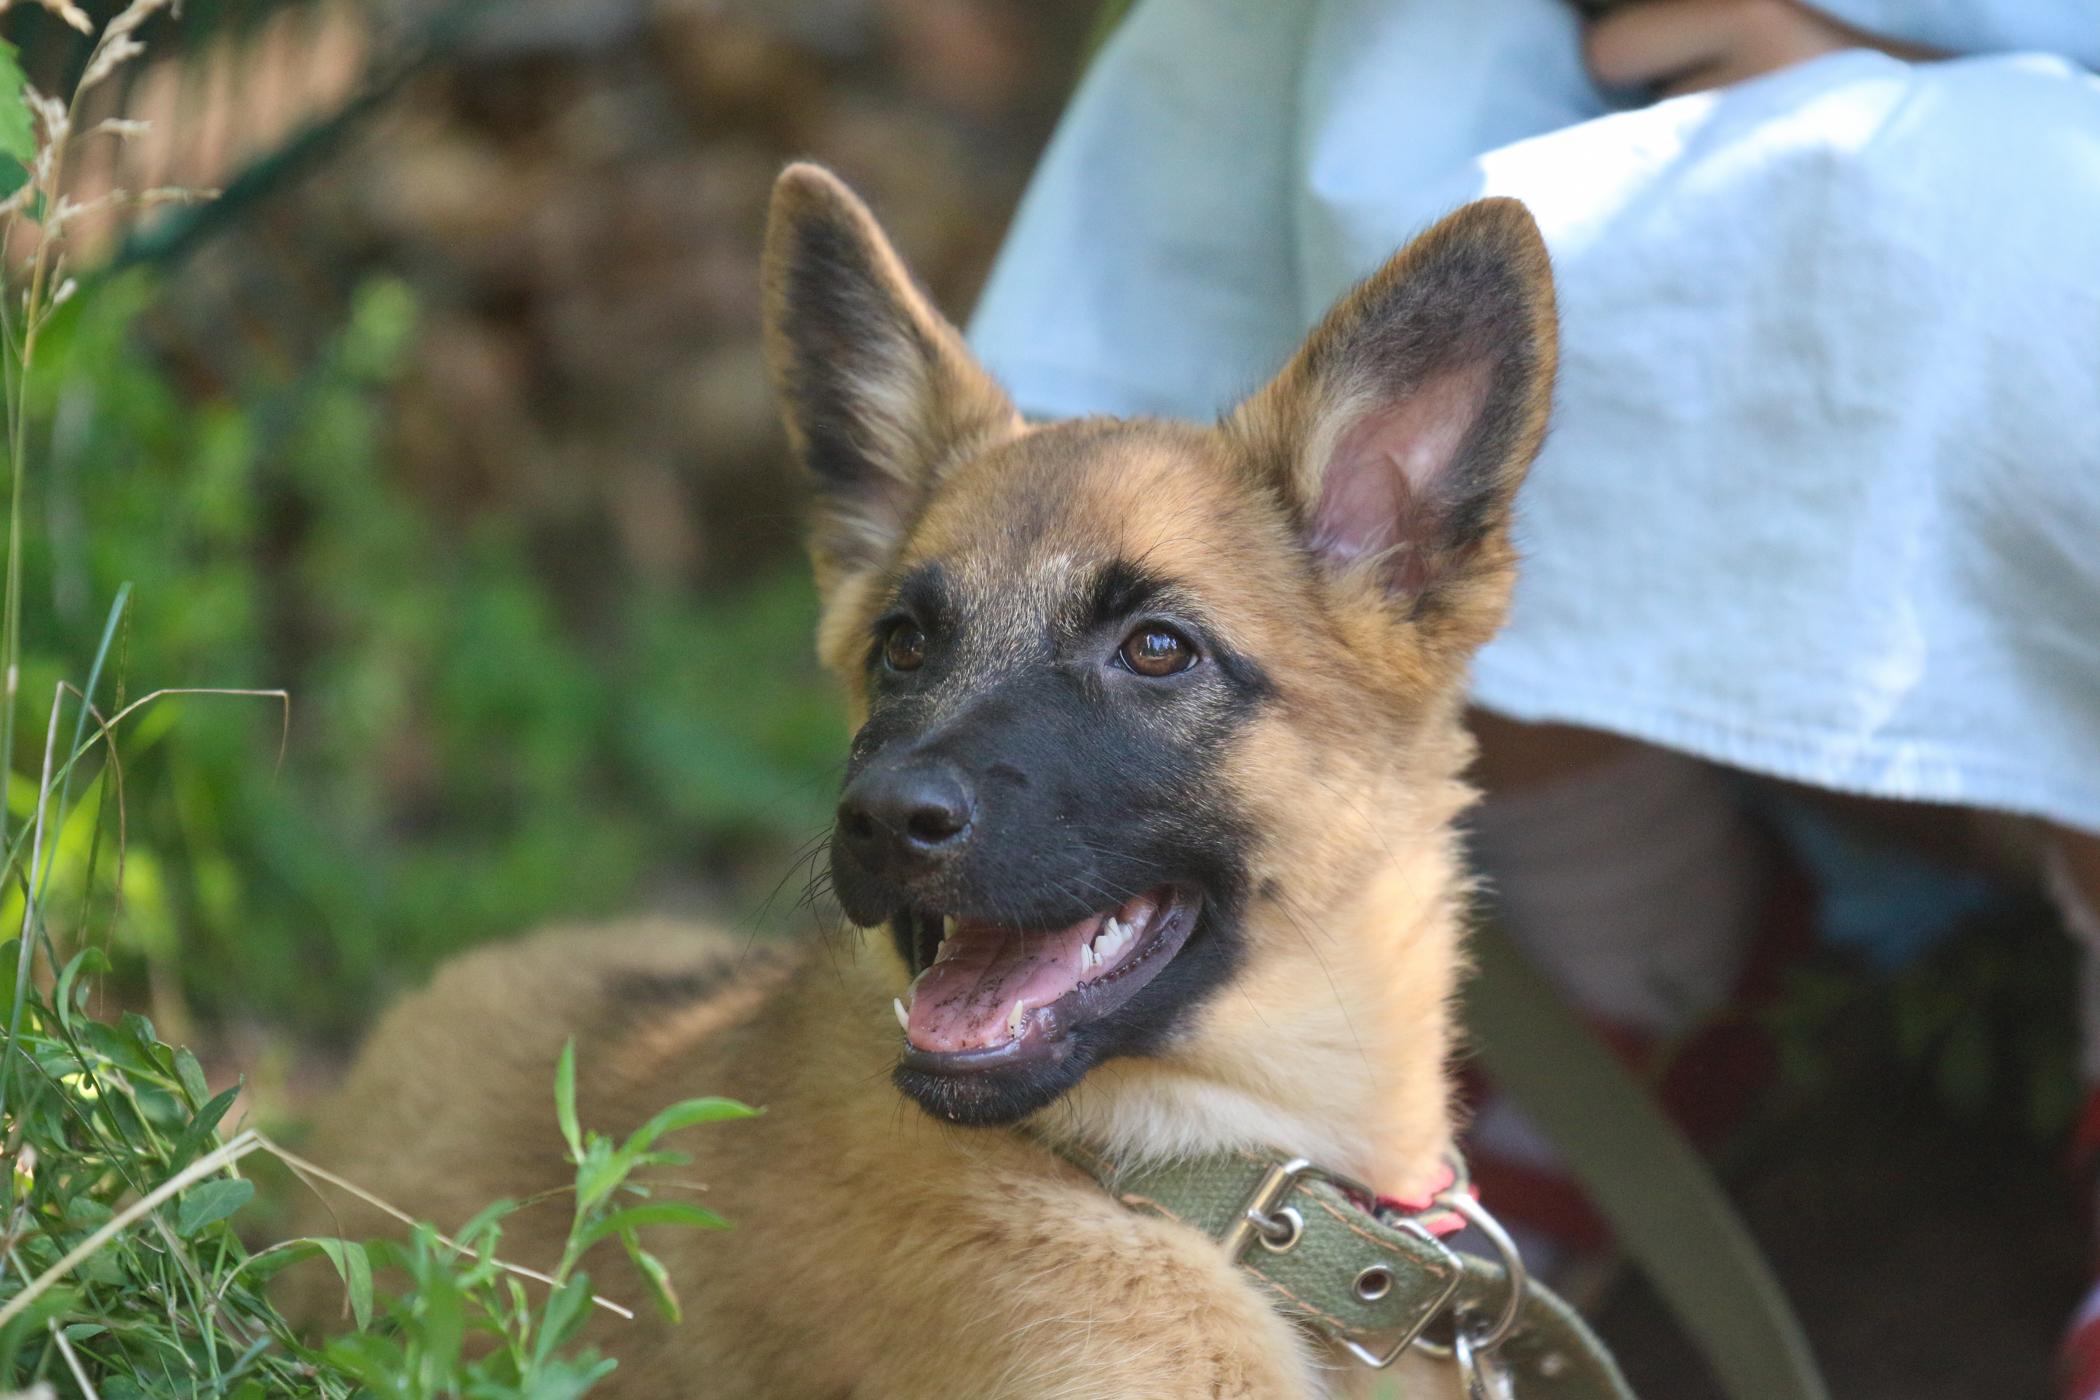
(448, 417)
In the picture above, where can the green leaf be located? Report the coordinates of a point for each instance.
(629, 1162)
(17, 134)
(563, 1317)
(686, 1115)
(52, 1303)
(10, 956)
(85, 961)
(106, 1268)
(559, 1380)
(481, 1233)
(654, 1213)
(266, 1263)
(656, 1276)
(201, 1127)
(598, 1174)
(192, 1076)
(210, 1203)
(145, 1038)
(87, 1213)
(565, 1099)
(373, 1359)
(354, 1267)
(442, 1312)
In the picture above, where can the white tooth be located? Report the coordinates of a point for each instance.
(1113, 937)
(1088, 958)
(903, 1016)
(947, 928)
(1015, 1019)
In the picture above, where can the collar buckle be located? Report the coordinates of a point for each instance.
(1267, 1220)
(1262, 1218)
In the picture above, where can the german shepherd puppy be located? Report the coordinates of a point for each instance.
(1147, 827)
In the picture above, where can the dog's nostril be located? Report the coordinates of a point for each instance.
(933, 824)
(910, 812)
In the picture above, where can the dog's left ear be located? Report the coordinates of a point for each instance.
(878, 390)
(1401, 430)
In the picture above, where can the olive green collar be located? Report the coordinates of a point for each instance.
(1371, 1275)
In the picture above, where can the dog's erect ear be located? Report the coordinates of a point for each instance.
(878, 390)
(1402, 429)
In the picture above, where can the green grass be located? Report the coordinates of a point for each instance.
(123, 1275)
(149, 829)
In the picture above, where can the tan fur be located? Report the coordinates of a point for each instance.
(878, 1253)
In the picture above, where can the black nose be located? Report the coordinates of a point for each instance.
(895, 816)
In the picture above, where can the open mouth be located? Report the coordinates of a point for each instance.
(996, 997)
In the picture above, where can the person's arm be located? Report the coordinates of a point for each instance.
(1679, 46)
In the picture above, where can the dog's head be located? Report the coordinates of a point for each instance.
(1136, 699)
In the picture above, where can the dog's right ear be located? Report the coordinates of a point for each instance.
(878, 390)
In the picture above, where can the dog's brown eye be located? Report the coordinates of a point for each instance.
(905, 647)
(1154, 650)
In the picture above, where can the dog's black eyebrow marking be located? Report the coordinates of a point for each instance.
(924, 593)
(1252, 681)
(1118, 589)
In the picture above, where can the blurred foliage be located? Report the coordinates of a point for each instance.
(1983, 1026)
(470, 750)
(466, 443)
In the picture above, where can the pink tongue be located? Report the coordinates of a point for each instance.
(966, 1000)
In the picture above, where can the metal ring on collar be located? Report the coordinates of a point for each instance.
(1512, 1263)
(1477, 1369)
(1476, 1215)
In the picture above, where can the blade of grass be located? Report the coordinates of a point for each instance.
(306, 1168)
(26, 958)
(87, 700)
(105, 733)
(65, 1349)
